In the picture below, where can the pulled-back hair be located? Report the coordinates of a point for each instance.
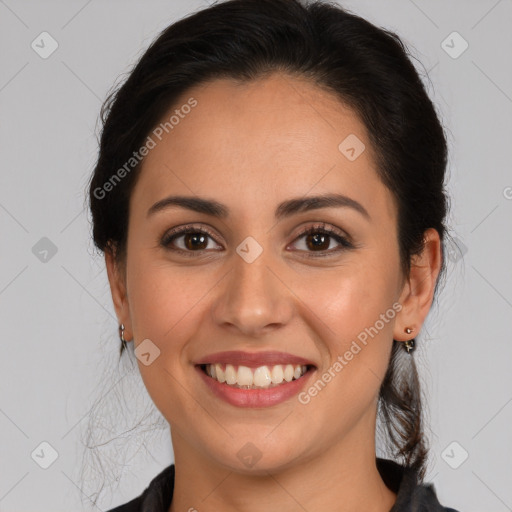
(367, 68)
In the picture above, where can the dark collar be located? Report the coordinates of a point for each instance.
(412, 495)
(403, 481)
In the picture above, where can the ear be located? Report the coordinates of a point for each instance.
(117, 281)
(418, 291)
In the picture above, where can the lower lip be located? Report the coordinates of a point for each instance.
(255, 397)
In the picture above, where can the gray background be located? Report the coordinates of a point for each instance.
(59, 341)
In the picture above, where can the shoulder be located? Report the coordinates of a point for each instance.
(411, 494)
(132, 506)
(424, 499)
(156, 497)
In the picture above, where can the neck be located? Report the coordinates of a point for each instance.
(343, 478)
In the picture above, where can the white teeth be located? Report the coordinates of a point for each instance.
(277, 374)
(288, 373)
(221, 376)
(244, 376)
(230, 374)
(261, 377)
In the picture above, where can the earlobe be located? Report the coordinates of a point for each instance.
(117, 283)
(418, 291)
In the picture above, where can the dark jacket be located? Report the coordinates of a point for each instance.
(411, 495)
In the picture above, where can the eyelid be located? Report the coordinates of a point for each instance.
(324, 226)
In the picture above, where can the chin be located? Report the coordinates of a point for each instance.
(257, 455)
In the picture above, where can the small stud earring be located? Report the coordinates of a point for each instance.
(409, 344)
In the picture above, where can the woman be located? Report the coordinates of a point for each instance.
(269, 196)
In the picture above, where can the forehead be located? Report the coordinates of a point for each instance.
(254, 143)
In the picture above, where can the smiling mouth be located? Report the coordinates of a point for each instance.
(261, 377)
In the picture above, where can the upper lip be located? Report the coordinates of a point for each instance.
(253, 359)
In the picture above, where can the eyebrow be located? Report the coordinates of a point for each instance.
(285, 209)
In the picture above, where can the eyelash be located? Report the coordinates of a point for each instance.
(321, 228)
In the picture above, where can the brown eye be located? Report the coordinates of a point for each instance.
(187, 240)
(318, 239)
(195, 241)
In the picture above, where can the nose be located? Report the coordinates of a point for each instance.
(253, 298)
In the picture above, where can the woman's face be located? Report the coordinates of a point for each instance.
(248, 282)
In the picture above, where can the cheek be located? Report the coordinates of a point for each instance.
(358, 305)
(360, 317)
(350, 301)
(170, 305)
(162, 297)
(164, 303)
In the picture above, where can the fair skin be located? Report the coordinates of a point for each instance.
(251, 146)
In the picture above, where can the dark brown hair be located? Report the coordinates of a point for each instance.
(366, 67)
